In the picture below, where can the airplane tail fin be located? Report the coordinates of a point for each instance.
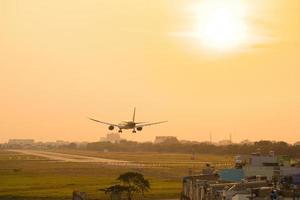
(133, 118)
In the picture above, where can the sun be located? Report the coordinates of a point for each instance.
(222, 24)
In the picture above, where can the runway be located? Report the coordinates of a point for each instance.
(69, 158)
(75, 158)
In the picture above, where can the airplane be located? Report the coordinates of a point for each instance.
(128, 124)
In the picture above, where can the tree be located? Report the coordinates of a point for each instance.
(135, 180)
(130, 183)
(264, 147)
(116, 191)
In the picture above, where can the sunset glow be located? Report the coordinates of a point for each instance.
(202, 65)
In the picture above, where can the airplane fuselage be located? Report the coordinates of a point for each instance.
(127, 125)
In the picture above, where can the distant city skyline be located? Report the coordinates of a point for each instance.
(114, 138)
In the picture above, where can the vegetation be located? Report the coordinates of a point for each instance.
(131, 183)
(207, 148)
(36, 178)
(31, 177)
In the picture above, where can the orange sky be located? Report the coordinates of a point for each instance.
(61, 61)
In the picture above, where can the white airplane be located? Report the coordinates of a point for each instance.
(128, 124)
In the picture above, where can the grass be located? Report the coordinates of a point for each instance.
(151, 156)
(29, 177)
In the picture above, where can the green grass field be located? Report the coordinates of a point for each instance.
(31, 177)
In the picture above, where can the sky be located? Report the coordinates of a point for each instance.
(205, 66)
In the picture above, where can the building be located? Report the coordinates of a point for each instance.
(256, 177)
(297, 143)
(192, 142)
(204, 187)
(61, 143)
(269, 166)
(165, 139)
(224, 142)
(111, 137)
(20, 142)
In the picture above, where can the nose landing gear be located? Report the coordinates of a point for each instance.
(120, 130)
(133, 131)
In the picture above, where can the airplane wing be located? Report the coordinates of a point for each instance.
(110, 124)
(149, 124)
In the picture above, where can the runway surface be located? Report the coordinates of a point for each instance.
(75, 158)
(68, 157)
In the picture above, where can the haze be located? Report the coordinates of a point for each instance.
(62, 61)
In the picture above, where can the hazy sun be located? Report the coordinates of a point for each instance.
(222, 24)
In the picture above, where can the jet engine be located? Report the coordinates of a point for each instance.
(139, 128)
(111, 127)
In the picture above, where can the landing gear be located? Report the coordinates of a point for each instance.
(120, 130)
(134, 131)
